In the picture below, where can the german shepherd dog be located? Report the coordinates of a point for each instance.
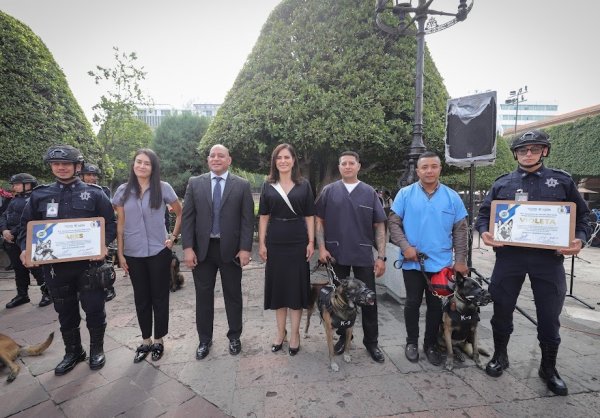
(338, 306)
(43, 251)
(460, 319)
(176, 276)
(10, 350)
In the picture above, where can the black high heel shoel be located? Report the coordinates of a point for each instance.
(276, 347)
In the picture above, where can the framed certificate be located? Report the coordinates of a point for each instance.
(63, 240)
(533, 224)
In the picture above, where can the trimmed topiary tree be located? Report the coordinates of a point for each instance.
(37, 108)
(324, 78)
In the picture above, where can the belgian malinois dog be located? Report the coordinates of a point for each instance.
(338, 305)
(10, 350)
(460, 319)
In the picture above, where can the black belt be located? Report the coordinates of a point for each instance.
(215, 239)
(285, 219)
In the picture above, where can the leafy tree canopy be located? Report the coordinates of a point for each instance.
(115, 112)
(121, 140)
(324, 78)
(37, 108)
(175, 142)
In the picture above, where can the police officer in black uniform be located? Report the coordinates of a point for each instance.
(535, 182)
(10, 222)
(69, 283)
(90, 174)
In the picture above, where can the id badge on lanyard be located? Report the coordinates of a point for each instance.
(52, 209)
(521, 196)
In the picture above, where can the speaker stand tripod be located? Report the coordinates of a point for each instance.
(570, 294)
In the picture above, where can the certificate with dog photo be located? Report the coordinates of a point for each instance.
(548, 225)
(65, 240)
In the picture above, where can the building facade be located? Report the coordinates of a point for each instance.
(528, 112)
(154, 115)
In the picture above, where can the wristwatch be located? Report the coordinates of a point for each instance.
(382, 258)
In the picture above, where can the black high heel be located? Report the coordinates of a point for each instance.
(294, 351)
(276, 347)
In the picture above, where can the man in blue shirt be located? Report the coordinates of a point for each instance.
(350, 221)
(429, 218)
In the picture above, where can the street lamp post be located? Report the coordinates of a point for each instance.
(406, 27)
(515, 97)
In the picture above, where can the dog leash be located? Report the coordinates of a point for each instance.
(332, 278)
(331, 274)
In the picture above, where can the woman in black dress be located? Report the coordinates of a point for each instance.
(286, 243)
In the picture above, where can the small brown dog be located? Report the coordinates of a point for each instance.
(176, 276)
(10, 350)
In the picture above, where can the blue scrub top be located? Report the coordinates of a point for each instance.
(428, 222)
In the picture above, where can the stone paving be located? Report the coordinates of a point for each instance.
(258, 383)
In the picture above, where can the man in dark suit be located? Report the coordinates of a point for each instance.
(218, 227)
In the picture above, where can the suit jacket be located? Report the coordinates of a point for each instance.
(237, 216)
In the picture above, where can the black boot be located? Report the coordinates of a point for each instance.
(46, 299)
(548, 369)
(74, 352)
(499, 361)
(97, 358)
(21, 298)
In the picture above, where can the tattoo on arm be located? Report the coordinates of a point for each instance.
(380, 238)
(319, 232)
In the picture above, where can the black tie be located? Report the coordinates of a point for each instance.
(216, 227)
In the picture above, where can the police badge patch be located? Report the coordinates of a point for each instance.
(84, 195)
(551, 182)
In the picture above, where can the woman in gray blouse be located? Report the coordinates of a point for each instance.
(144, 246)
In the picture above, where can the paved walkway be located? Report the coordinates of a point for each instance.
(258, 383)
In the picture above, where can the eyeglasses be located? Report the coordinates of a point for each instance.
(535, 150)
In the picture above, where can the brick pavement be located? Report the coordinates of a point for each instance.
(258, 383)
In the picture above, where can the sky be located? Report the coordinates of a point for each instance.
(193, 50)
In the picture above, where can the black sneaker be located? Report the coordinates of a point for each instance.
(235, 346)
(412, 353)
(433, 355)
(45, 301)
(109, 294)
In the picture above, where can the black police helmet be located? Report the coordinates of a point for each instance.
(65, 153)
(531, 138)
(91, 169)
(23, 178)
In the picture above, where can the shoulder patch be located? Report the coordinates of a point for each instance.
(41, 186)
(94, 185)
(503, 175)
